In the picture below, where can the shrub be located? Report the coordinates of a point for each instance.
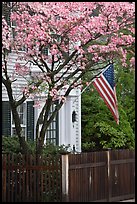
(11, 145)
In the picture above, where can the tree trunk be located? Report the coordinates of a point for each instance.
(40, 139)
(13, 104)
(23, 144)
(40, 136)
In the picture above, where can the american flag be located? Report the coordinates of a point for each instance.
(105, 85)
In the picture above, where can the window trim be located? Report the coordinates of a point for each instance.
(24, 118)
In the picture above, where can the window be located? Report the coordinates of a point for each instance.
(26, 114)
(52, 132)
(22, 115)
(45, 51)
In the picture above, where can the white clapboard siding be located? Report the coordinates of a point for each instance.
(19, 84)
(69, 133)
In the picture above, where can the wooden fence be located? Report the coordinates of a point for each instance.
(103, 176)
(27, 179)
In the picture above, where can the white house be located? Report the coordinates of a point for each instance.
(64, 130)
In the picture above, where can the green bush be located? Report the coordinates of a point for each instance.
(11, 145)
(50, 148)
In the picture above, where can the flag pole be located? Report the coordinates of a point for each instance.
(83, 90)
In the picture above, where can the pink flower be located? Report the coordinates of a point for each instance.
(53, 92)
(67, 28)
(37, 104)
(21, 69)
(87, 83)
(132, 62)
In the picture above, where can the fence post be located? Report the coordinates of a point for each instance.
(65, 178)
(108, 176)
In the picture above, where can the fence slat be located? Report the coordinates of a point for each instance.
(34, 181)
(8, 180)
(23, 179)
(4, 189)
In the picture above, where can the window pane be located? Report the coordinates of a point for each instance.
(21, 118)
(14, 131)
(22, 111)
(22, 115)
(52, 132)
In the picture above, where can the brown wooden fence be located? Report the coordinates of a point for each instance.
(105, 176)
(25, 179)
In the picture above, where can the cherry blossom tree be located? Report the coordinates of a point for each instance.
(79, 37)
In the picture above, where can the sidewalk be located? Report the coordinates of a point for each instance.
(131, 200)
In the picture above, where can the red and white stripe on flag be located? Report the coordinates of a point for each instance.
(108, 94)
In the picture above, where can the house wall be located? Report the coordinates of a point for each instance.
(69, 132)
(19, 84)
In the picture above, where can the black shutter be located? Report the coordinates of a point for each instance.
(6, 118)
(30, 120)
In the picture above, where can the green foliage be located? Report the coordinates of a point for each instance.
(50, 148)
(11, 145)
(99, 130)
(88, 146)
(126, 92)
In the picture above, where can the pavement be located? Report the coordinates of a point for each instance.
(130, 200)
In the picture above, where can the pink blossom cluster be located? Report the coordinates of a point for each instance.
(6, 35)
(75, 21)
(37, 104)
(132, 62)
(21, 69)
(54, 94)
(75, 34)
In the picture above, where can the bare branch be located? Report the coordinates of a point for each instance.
(65, 63)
